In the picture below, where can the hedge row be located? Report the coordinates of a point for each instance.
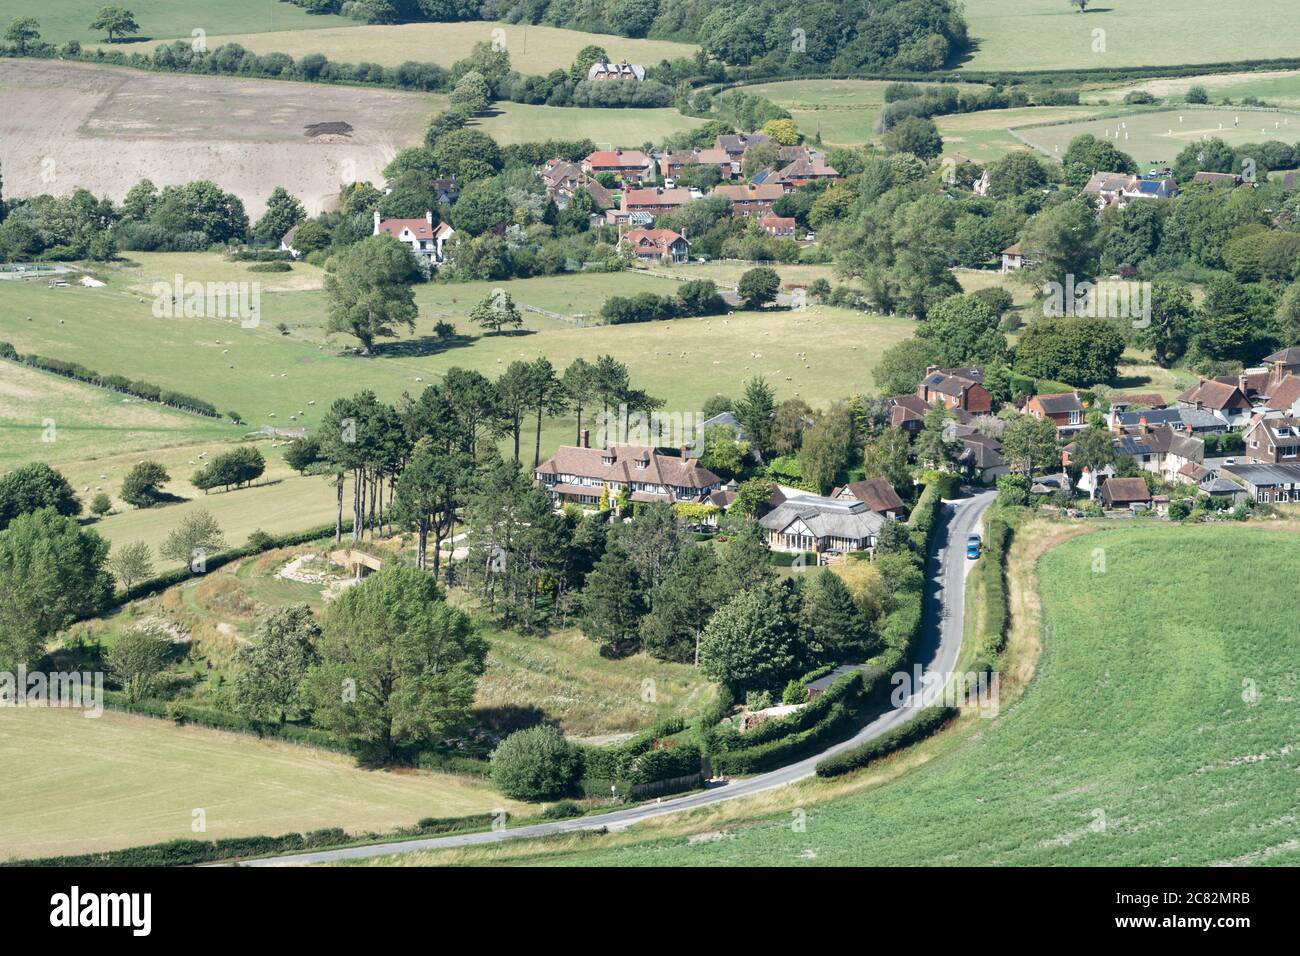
(919, 727)
(780, 752)
(117, 383)
(988, 579)
(193, 852)
(729, 741)
(925, 516)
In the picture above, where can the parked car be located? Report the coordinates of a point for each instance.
(973, 546)
(1229, 461)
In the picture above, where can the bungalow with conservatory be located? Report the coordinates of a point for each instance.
(822, 525)
(579, 474)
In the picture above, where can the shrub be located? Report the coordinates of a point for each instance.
(535, 764)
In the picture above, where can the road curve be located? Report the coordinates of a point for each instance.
(941, 642)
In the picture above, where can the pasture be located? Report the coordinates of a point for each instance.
(1276, 87)
(1158, 136)
(290, 380)
(168, 19)
(1161, 735)
(533, 49)
(80, 785)
(841, 111)
(1051, 34)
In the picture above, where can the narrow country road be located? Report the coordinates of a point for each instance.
(940, 644)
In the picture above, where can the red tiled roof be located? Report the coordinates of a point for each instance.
(659, 469)
(419, 228)
(1215, 395)
(877, 493)
(618, 158)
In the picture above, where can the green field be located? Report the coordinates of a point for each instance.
(985, 136)
(1157, 137)
(1050, 34)
(1159, 730)
(1274, 87)
(842, 111)
(533, 49)
(167, 19)
(79, 785)
(607, 128)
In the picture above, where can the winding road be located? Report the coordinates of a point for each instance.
(941, 642)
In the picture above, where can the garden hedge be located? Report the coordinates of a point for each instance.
(919, 727)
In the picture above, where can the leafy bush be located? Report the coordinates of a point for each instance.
(535, 764)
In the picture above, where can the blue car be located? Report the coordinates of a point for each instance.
(973, 546)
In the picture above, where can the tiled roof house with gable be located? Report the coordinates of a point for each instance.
(425, 239)
(578, 474)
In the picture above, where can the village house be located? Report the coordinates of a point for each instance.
(808, 522)
(658, 244)
(956, 388)
(1268, 484)
(878, 495)
(1272, 440)
(908, 413)
(748, 199)
(735, 144)
(655, 201)
(1189, 420)
(1218, 179)
(802, 171)
(578, 474)
(1226, 402)
(1119, 189)
(629, 165)
(673, 161)
(1013, 259)
(622, 70)
(981, 455)
(1125, 493)
(1063, 409)
(426, 240)
(782, 227)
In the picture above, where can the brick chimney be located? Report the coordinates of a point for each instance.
(1241, 382)
(584, 438)
(686, 452)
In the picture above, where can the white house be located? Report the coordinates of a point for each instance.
(426, 240)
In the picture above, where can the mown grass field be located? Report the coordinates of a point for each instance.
(1051, 34)
(984, 136)
(533, 49)
(1157, 137)
(168, 19)
(607, 128)
(1159, 730)
(80, 785)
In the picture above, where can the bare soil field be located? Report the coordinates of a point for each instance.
(78, 125)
